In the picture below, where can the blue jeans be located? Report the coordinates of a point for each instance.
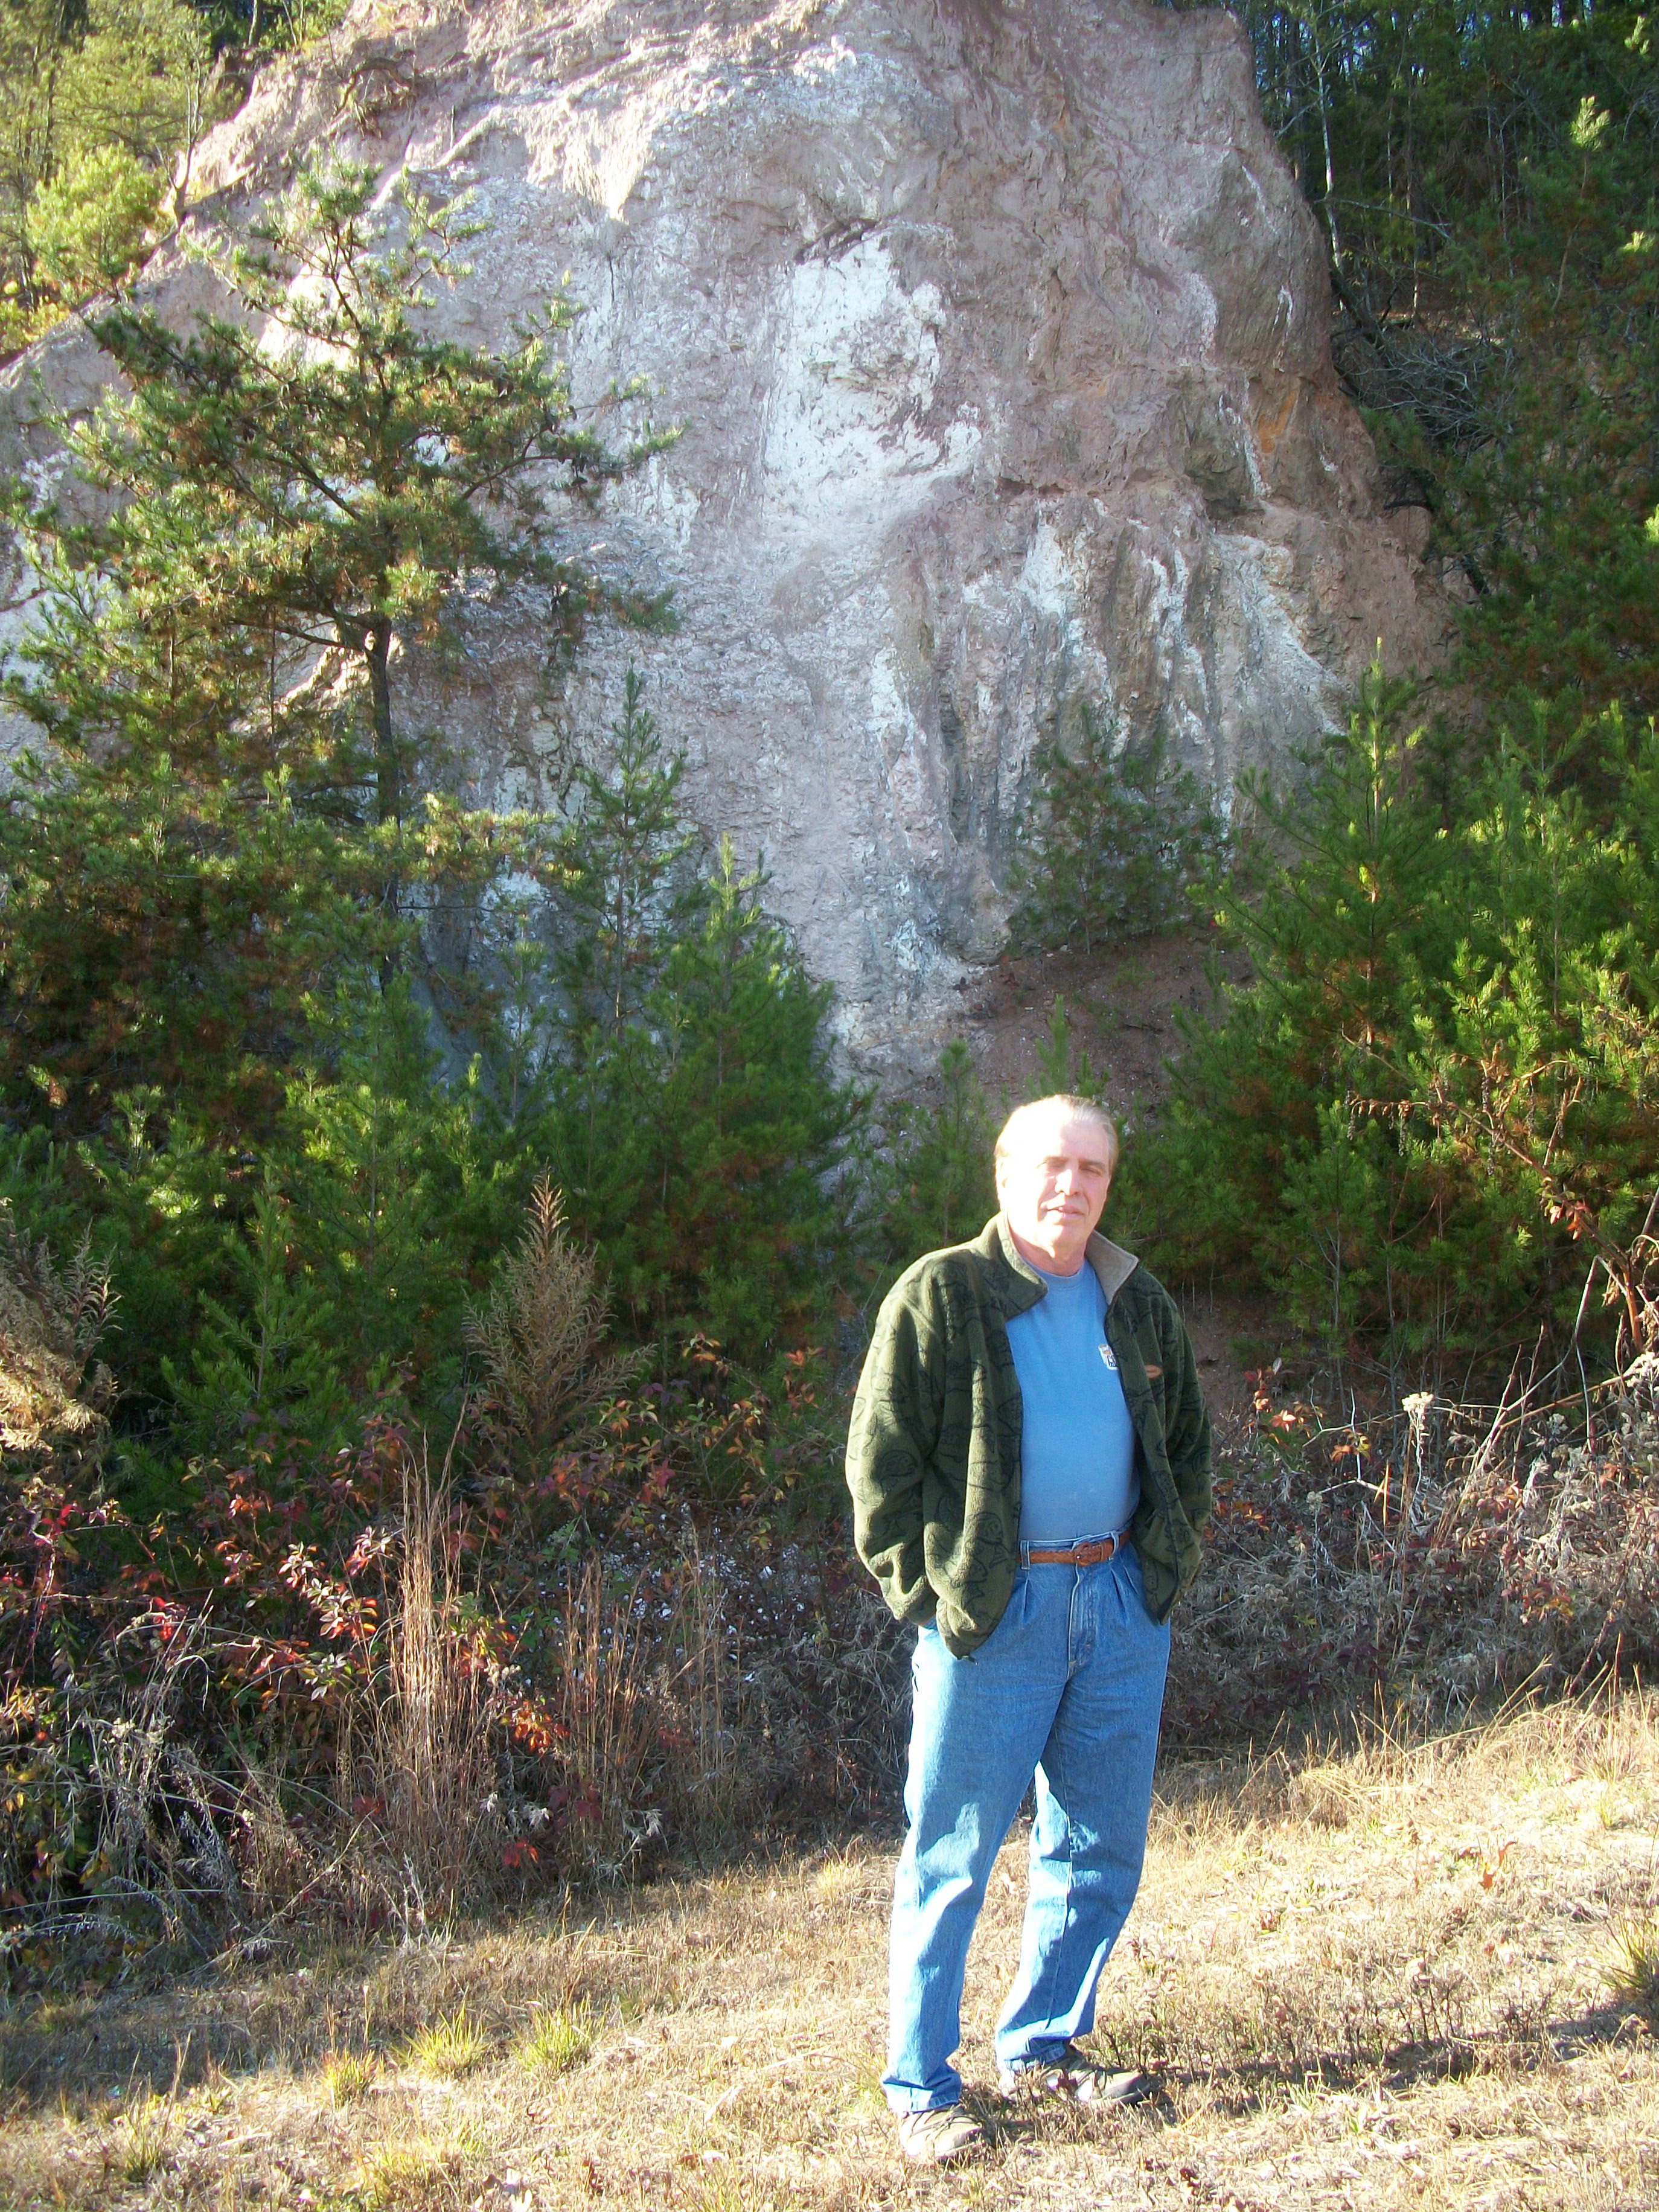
(1069, 1683)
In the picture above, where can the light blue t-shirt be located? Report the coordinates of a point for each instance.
(1078, 1451)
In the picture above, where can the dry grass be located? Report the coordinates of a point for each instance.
(710, 1786)
(54, 1398)
(143, 2143)
(432, 1752)
(1445, 1556)
(1383, 1977)
(1633, 1968)
(607, 1715)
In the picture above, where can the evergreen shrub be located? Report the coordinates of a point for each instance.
(88, 226)
(682, 1086)
(1427, 1123)
(1116, 841)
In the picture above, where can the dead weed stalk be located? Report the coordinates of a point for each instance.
(537, 1333)
(607, 1719)
(430, 1728)
(711, 1778)
(163, 1868)
(1442, 1557)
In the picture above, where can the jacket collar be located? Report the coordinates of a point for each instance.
(1018, 1283)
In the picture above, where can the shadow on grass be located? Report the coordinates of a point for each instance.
(1248, 2089)
(83, 2049)
(1597, 2026)
(234, 2019)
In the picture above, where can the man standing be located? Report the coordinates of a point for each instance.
(1030, 1464)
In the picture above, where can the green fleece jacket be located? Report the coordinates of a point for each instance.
(932, 1455)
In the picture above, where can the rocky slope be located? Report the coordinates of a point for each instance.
(997, 334)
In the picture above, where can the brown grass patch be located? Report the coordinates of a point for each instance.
(1384, 1975)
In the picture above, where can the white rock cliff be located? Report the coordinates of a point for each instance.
(997, 334)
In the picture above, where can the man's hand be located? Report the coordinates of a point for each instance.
(892, 1438)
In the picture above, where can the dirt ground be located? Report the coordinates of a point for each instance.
(1123, 1006)
(1385, 1977)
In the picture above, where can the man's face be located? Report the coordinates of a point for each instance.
(1051, 1184)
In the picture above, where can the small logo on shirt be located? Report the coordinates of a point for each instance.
(1110, 1356)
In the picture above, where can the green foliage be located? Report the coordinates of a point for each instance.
(333, 1263)
(234, 816)
(557, 2040)
(626, 889)
(87, 226)
(287, 25)
(1116, 839)
(247, 939)
(1059, 1065)
(1548, 512)
(97, 104)
(1431, 1114)
(321, 496)
(263, 1359)
(102, 105)
(751, 1124)
(935, 1185)
(1428, 1124)
(1486, 182)
(688, 1101)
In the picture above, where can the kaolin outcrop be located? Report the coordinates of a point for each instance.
(998, 333)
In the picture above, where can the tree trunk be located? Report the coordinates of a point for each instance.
(388, 769)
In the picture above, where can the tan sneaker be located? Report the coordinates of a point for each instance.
(1070, 2074)
(940, 2137)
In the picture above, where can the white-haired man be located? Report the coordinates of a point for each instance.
(1030, 1464)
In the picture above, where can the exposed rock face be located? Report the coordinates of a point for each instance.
(998, 333)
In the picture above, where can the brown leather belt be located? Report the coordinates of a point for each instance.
(1092, 1554)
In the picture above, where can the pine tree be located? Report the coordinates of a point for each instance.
(1428, 1119)
(693, 1112)
(98, 103)
(231, 810)
(1115, 839)
(626, 887)
(1343, 897)
(934, 1183)
(752, 1122)
(266, 1354)
(625, 870)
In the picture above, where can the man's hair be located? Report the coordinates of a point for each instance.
(1067, 1106)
